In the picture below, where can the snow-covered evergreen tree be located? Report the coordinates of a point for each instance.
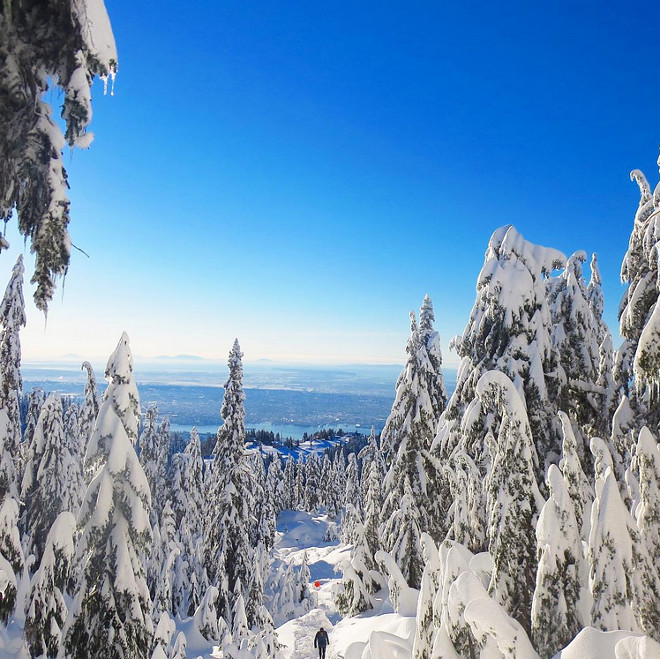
(240, 632)
(406, 440)
(165, 559)
(326, 476)
(188, 480)
(35, 401)
(275, 484)
(430, 359)
(63, 45)
(284, 601)
(468, 502)
(513, 499)
(188, 504)
(111, 612)
(163, 636)
(255, 587)
(312, 483)
(228, 551)
(562, 570)
(622, 439)
(335, 490)
(89, 409)
(12, 318)
(304, 597)
(354, 594)
(266, 645)
(431, 578)
(510, 331)
(611, 558)
(45, 609)
(153, 458)
(57, 477)
(647, 513)
(74, 447)
(373, 495)
(205, 620)
(265, 523)
(179, 647)
(298, 499)
(289, 475)
(353, 502)
(12, 560)
(605, 384)
(578, 485)
(402, 536)
(578, 333)
(638, 358)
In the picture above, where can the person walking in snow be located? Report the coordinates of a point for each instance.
(321, 641)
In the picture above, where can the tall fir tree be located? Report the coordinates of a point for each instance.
(228, 551)
(111, 611)
(408, 435)
(12, 318)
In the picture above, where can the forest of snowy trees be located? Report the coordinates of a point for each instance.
(508, 517)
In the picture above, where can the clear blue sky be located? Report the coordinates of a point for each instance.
(300, 174)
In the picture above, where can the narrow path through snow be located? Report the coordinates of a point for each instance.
(300, 532)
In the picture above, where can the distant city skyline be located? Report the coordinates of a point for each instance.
(300, 176)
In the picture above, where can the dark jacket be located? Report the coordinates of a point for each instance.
(321, 639)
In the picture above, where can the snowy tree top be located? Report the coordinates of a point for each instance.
(120, 364)
(506, 242)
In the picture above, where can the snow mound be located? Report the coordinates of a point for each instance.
(301, 529)
(593, 643)
(385, 636)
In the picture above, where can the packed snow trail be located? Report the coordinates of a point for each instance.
(299, 532)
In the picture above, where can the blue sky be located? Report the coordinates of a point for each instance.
(298, 175)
